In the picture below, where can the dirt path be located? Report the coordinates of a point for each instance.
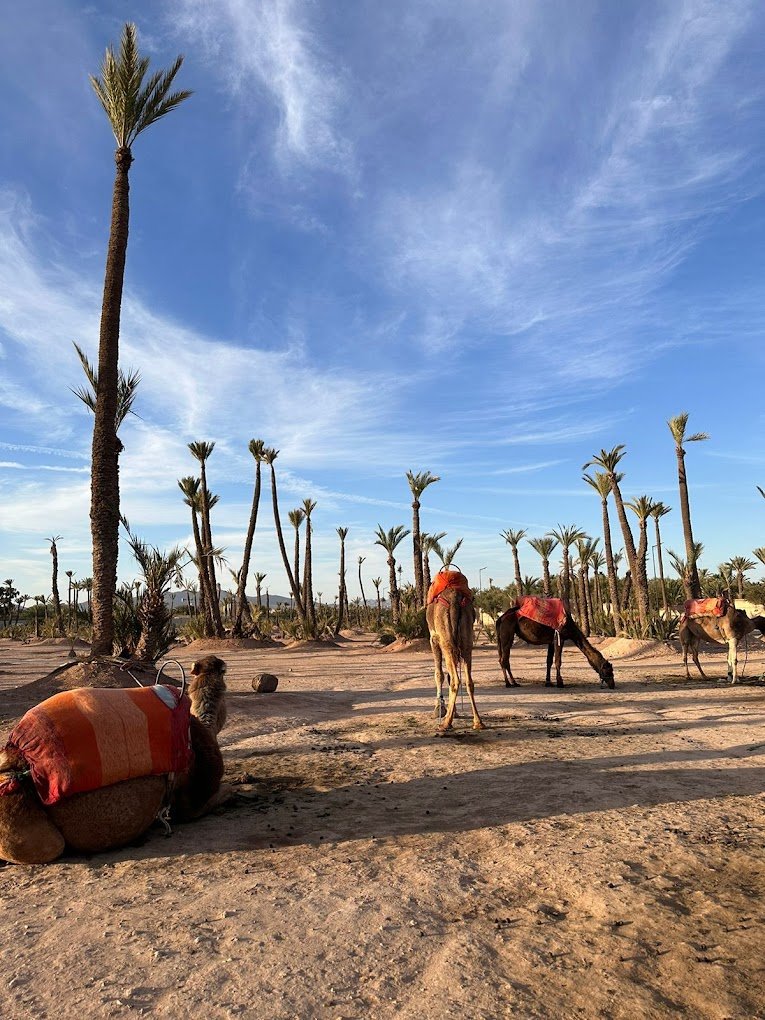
(591, 853)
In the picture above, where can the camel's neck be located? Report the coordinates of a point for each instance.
(590, 653)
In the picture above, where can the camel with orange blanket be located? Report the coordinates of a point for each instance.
(720, 623)
(90, 769)
(450, 616)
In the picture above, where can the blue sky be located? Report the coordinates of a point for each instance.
(483, 239)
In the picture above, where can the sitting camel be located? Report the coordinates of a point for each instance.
(726, 629)
(450, 618)
(207, 690)
(512, 623)
(35, 832)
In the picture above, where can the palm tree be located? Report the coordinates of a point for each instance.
(513, 538)
(202, 451)
(363, 596)
(608, 460)
(159, 570)
(740, 565)
(447, 555)
(601, 483)
(57, 614)
(760, 554)
(296, 518)
(586, 549)
(189, 486)
(661, 510)
(309, 505)
(544, 546)
(566, 536)
(377, 581)
(259, 579)
(642, 507)
(682, 567)
(418, 483)
(428, 544)
(389, 540)
(256, 447)
(269, 456)
(132, 105)
(342, 593)
(677, 426)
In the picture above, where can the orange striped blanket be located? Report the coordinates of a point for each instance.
(91, 737)
(550, 612)
(448, 579)
(705, 607)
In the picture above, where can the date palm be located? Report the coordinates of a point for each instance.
(740, 565)
(544, 546)
(259, 579)
(256, 447)
(608, 460)
(296, 517)
(377, 581)
(429, 544)
(513, 538)
(642, 506)
(309, 505)
(586, 549)
(677, 427)
(601, 483)
(57, 614)
(342, 595)
(269, 456)
(566, 536)
(658, 511)
(132, 102)
(418, 483)
(202, 451)
(760, 554)
(363, 596)
(190, 487)
(389, 540)
(447, 555)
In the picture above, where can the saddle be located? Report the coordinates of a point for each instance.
(447, 578)
(705, 607)
(549, 612)
(81, 740)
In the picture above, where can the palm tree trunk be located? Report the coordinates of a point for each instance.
(104, 486)
(613, 586)
(308, 600)
(546, 577)
(641, 590)
(56, 597)
(693, 590)
(517, 565)
(341, 601)
(395, 604)
(208, 564)
(419, 580)
(307, 628)
(241, 592)
(584, 608)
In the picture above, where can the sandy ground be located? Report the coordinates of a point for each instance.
(591, 853)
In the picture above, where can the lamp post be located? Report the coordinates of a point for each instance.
(480, 571)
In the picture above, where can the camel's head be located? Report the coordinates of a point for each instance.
(606, 673)
(208, 667)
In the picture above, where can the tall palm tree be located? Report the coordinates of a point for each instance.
(132, 103)
(682, 567)
(363, 596)
(190, 487)
(513, 538)
(377, 581)
(259, 579)
(389, 540)
(201, 451)
(661, 510)
(269, 456)
(342, 593)
(309, 505)
(677, 427)
(740, 565)
(566, 536)
(642, 506)
(447, 555)
(586, 549)
(159, 569)
(296, 517)
(759, 552)
(418, 483)
(601, 483)
(608, 460)
(57, 614)
(256, 448)
(544, 546)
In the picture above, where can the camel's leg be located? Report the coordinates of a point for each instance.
(440, 710)
(548, 681)
(454, 683)
(468, 660)
(504, 661)
(695, 654)
(733, 660)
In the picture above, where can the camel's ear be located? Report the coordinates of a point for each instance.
(6, 762)
(194, 669)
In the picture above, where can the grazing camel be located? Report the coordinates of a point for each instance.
(207, 690)
(450, 618)
(33, 832)
(728, 629)
(511, 624)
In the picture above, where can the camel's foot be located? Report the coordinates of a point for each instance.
(512, 683)
(445, 731)
(440, 710)
(478, 725)
(548, 683)
(559, 683)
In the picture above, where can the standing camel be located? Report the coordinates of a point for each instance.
(512, 623)
(450, 618)
(728, 629)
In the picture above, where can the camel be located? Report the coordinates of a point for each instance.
(450, 618)
(728, 629)
(510, 624)
(207, 690)
(110, 816)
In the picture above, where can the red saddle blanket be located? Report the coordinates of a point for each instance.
(550, 612)
(448, 579)
(705, 607)
(87, 738)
